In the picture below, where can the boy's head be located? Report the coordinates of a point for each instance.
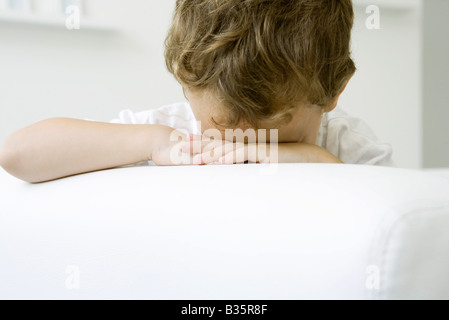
(260, 63)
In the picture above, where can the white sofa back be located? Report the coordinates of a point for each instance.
(292, 231)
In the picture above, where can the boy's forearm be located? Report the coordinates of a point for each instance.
(62, 147)
(305, 153)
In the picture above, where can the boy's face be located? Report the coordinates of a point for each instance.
(303, 128)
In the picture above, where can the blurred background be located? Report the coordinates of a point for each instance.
(114, 61)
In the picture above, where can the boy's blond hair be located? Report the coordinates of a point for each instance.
(262, 58)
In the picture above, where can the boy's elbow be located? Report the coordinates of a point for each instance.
(11, 158)
(4, 158)
(8, 154)
(16, 154)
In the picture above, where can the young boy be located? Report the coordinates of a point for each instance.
(243, 64)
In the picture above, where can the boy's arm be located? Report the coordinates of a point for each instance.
(225, 152)
(61, 147)
(305, 153)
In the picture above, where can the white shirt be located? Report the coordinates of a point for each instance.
(349, 139)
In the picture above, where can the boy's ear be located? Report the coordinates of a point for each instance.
(334, 102)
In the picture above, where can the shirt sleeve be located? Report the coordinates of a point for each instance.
(177, 116)
(130, 117)
(353, 142)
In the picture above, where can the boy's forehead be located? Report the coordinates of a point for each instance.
(205, 107)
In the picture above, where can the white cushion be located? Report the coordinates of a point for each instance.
(227, 232)
(440, 171)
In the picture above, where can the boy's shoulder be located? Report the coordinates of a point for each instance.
(338, 118)
(352, 140)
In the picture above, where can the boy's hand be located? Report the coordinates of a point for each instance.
(167, 150)
(206, 151)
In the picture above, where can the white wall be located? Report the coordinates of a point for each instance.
(436, 84)
(386, 90)
(49, 71)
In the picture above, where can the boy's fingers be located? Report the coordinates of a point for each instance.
(196, 144)
(218, 150)
(177, 159)
(191, 162)
(209, 145)
(234, 157)
(241, 155)
(197, 159)
(253, 155)
(191, 146)
(224, 152)
(209, 154)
